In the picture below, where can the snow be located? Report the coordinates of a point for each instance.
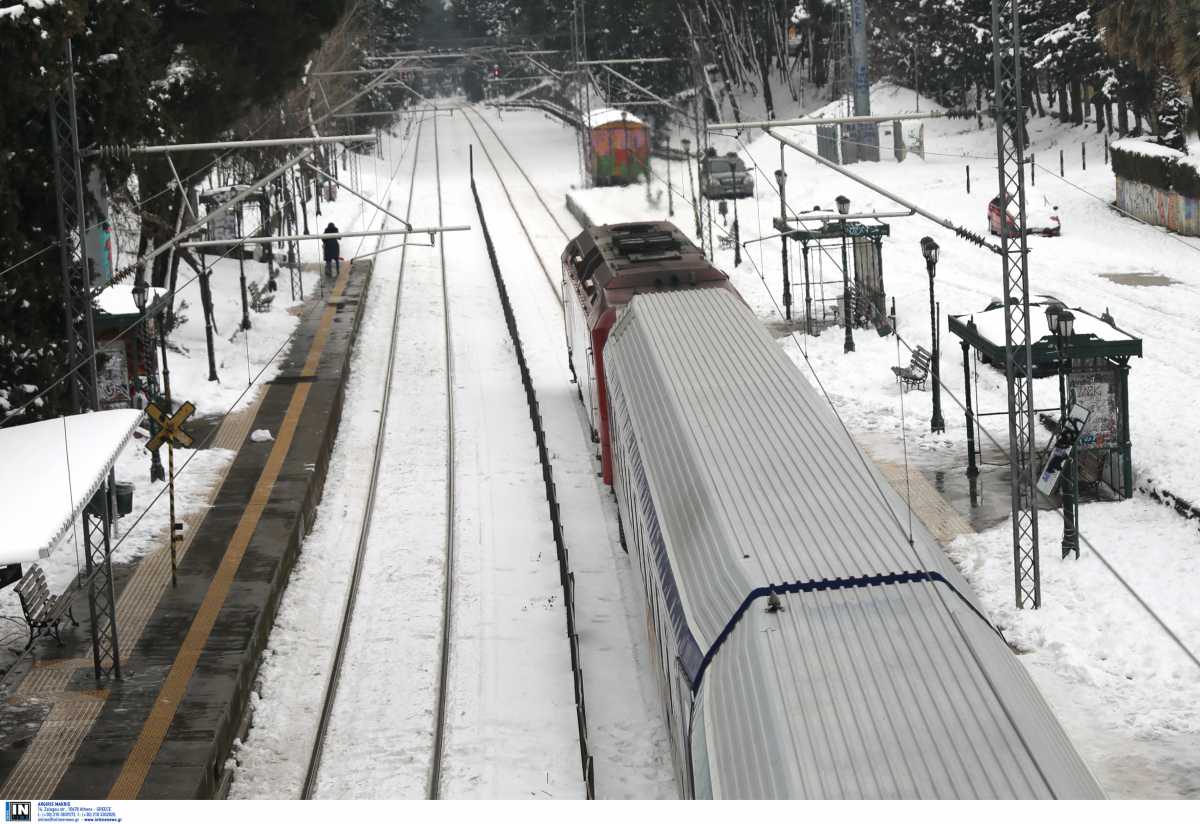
(117, 299)
(51, 469)
(991, 325)
(1129, 694)
(511, 729)
(261, 436)
(1117, 683)
(605, 117)
(1146, 148)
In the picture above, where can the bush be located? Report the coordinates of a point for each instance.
(1165, 170)
(260, 301)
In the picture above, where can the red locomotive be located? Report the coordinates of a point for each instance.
(603, 268)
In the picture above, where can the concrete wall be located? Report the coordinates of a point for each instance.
(1162, 208)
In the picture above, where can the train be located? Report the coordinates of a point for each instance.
(809, 643)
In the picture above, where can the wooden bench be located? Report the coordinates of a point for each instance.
(43, 611)
(917, 372)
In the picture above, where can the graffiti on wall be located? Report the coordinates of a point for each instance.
(1171, 209)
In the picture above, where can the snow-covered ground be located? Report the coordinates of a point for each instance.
(1124, 692)
(510, 716)
(626, 730)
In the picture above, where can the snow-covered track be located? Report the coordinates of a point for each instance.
(467, 112)
(352, 590)
(439, 718)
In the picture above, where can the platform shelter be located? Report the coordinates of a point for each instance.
(821, 266)
(1095, 359)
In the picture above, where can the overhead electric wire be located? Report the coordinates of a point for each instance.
(194, 452)
(1192, 656)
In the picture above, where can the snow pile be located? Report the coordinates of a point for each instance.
(261, 436)
(1146, 148)
(51, 469)
(1128, 695)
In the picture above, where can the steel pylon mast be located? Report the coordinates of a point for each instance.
(81, 344)
(1010, 153)
(583, 89)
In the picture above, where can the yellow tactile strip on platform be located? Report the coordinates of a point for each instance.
(939, 517)
(162, 713)
(73, 713)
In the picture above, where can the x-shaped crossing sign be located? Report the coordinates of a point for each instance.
(171, 427)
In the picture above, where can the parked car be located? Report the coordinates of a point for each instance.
(1041, 217)
(723, 177)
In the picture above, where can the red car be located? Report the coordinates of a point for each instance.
(1040, 217)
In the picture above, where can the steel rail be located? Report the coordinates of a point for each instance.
(343, 641)
(439, 730)
(554, 287)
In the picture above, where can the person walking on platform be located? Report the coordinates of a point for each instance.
(332, 251)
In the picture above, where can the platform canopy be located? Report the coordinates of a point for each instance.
(42, 490)
(116, 300)
(1094, 337)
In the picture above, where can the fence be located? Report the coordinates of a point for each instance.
(566, 577)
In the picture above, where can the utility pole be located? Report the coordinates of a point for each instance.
(1014, 255)
(81, 347)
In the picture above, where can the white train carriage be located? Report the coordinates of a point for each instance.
(807, 648)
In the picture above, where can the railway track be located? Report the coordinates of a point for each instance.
(470, 114)
(329, 700)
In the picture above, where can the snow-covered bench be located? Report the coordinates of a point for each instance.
(917, 371)
(43, 611)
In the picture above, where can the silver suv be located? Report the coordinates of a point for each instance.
(725, 177)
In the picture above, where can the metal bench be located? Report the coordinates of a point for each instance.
(43, 611)
(917, 372)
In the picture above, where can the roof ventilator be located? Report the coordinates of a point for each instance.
(643, 246)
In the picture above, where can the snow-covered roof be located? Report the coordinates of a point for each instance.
(991, 325)
(41, 492)
(222, 191)
(117, 299)
(605, 117)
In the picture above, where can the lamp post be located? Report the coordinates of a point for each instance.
(1061, 322)
(781, 184)
(929, 249)
(157, 473)
(843, 207)
(670, 188)
(687, 161)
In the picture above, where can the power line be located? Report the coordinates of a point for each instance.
(1162, 624)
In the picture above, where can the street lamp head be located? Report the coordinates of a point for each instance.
(1066, 323)
(843, 205)
(139, 296)
(1052, 317)
(780, 176)
(929, 249)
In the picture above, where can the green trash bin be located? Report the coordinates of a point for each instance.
(124, 498)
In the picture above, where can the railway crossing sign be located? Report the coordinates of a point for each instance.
(170, 427)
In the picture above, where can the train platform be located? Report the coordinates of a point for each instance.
(189, 654)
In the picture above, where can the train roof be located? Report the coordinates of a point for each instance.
(878, 676)
(622, 258)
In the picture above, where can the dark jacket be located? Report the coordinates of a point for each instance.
(330, 244)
